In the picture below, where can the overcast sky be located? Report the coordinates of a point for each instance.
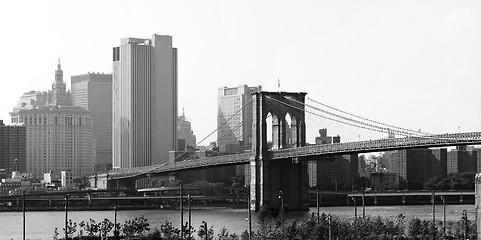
(415, 64)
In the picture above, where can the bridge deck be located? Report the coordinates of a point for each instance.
(440, 140)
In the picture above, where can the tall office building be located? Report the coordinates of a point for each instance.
(93, 92)
(144, 101)
(185, 136)
(13, 150)
(58, 138)
(235, 135)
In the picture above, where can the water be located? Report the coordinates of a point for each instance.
(41, 225)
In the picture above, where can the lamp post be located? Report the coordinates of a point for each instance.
(465, 222)
(23, 210)
(281, 196)
(249, 211)
(444, 217)
(206, 231)
(116, 232)
(181, 212)
(317, 203)
(363, 203)
(329, 221)
(434, 213)
(66, 215)
(190, 213)
(355, 208)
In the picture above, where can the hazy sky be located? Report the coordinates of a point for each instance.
(416, 64)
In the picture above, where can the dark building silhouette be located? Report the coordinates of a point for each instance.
(13, 147)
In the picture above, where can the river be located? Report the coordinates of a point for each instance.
(41, 225)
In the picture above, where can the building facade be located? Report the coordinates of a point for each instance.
(13, 149)
(185, 136)
(144, 101)
(58, 95)
(58, 138)
(93, 92)
(234, 120)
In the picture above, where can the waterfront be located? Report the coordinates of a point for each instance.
(41, 225)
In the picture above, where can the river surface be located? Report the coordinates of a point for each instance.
(41, 225)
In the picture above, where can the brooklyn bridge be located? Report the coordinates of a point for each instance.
(282, 164)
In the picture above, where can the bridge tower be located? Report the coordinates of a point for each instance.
(268, 177)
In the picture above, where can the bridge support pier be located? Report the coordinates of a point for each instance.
(270, 177)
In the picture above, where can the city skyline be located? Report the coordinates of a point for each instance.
(413, 65)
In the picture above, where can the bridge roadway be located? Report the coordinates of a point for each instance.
(307, 153)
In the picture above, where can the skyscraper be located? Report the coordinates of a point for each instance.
(59, 136)
(93, 92)
(235, 135)
(13, 151)
(144, 101)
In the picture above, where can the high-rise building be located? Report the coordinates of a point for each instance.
(144, 101)
(13, 153)
(234, 118)
(418, 165)
(461, 160)
(93, 92)
(185, 136)
(58, 138)
(31, 99)
(58, 95)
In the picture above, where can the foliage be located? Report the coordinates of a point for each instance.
(135, 227)
(271, 228)
(71, 227)
(455, 181)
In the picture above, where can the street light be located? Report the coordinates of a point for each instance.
(249, 211)
(363, 203)
(66, 215)
(355, 207)
(434, 214)
(190, 213)
(205, 227)
(23, 210)
(281, 196)
(181, 213)
(444, 217)
(317, 203)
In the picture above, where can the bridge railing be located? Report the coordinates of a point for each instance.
(382, 144)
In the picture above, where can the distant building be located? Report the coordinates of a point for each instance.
(58, 138)
(380, 180)
(93, 92)
(144, 101)
(337, 172)
(313, 166)
(31, 99)
(13, 147)
(234, 126)
(185, 136)
(58, 95)
(418, 165)
(234, 120)
(461, 160)
(67, 179)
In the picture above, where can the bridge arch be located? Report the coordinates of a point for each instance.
(288, 130)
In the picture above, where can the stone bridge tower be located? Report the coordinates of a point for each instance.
(269, 177)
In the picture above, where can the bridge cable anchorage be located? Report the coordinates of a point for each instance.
(366, 119)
